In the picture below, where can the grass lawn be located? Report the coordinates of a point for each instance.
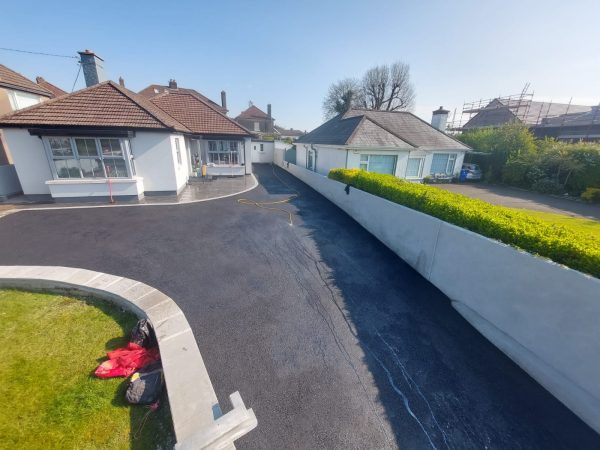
(578, 224)
(51, 345)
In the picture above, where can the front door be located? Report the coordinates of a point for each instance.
(311, 158)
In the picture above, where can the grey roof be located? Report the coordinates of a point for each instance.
(368, 128)
(499, 112)
(576, 119)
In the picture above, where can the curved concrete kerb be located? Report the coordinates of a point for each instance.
(197, 418)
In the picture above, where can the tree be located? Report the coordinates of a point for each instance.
(384, 87)
(341, 97)
(388, 88)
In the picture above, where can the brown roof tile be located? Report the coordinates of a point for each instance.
(54, 90)
(196, 114)
(156, 89)
(102, 105)
(13, 80)
(253, 113)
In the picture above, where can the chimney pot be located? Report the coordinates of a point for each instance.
(121, 81)
(93, 68)
(172, 84)
(269, 110)
(224, 99)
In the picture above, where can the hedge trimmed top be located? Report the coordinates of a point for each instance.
(578, 251)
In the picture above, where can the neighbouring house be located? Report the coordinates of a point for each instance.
(572, 127)
(54, 90)
(157, 89)
(287, 133)
(106, 138)
(257, 121)
(16, 92)
(390, 142)
(501, 111)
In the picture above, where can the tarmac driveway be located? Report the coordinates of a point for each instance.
(520, 198)
(331, 338)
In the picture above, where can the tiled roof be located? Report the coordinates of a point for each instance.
(156, 89)
(102, 105)
(54, 90)
(196, 114)
(288, 131)
(368, 128)
(253, 113)
(577, 119)
(13, 80)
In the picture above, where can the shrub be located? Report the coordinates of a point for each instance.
(579, 251)
(591, 195)
(547, 186)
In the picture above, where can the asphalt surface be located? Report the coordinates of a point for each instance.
(331, 338)
(520, 198)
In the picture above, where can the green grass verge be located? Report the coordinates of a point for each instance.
(574, 248)
(51, 345)
(575, 224)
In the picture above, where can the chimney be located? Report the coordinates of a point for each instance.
(172, 84)
(269, 110)
(224, 99)
(121, 81)
(93, 68)
(439, 118)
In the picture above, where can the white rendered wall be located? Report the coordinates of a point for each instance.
(266, 156)
(78, 187)
(29, 158)
(154, 159)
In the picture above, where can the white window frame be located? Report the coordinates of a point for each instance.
(216, 148)
(126, 156)
(365, 158)
(419, 171)
(256, 126)
(450, 163)
(178, 151)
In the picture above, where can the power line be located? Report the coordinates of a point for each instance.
(76, 78)
(37, 53)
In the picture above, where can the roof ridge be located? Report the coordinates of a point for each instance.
(140, 100)
(438, 130)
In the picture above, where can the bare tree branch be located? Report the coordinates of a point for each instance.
(341, 96)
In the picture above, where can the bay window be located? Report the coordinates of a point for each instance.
(82, 157)
(443, 163)
(224, 152)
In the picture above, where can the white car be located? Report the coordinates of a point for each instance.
(473, 172)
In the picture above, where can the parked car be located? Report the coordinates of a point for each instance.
(471, 172)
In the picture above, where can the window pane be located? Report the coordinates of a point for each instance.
(60, 146)
(364, 158)
(67, 168)
(451, 161)
(363, 166)
(212, 146)
(91, 168)
(413, 166)
(111, 147)
(439, 163)
(115, 168)
(86, 147)
(382, 164)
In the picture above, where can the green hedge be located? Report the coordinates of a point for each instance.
(579, 251)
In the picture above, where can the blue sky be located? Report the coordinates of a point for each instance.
(288, 52)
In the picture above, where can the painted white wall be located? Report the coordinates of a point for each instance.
(20, 99)
(29, 158)
(266, 156)
(65, 188)
(154, 159)
(181, 163)
(542, 315)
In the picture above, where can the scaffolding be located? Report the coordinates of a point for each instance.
(517, 104)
